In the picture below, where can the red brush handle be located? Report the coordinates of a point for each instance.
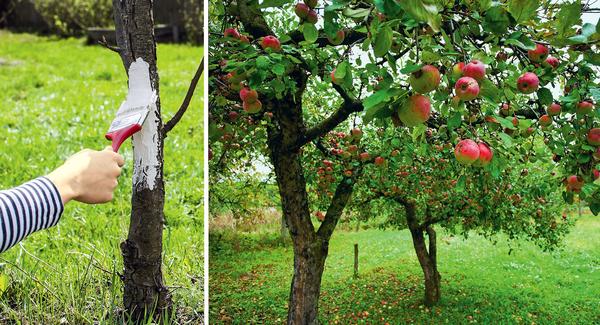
(119, 136)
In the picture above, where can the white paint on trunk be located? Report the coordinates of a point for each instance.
(145, 142)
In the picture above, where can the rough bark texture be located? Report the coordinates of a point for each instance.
(144, 290)
(427, 257)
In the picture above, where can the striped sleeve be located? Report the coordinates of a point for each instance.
(33, 206)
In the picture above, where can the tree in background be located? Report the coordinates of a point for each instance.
(416, 186)
(286, 74)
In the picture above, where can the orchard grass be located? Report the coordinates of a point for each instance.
(59, 96)
(251, 272)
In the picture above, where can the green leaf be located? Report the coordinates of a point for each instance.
(523, 10)
(376, 98)
(490, 91)
(506, 139)
(454, 120)
(423, 10)
(545, 96)
(568, 16)
(383, 41)
(310, 32)
(272, 3)
(278, 69)
(263, 62)
(389, 8)
(410, 68)
(496, 20)
(595, 208)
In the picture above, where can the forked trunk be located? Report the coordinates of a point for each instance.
(144, 293)
(427, 260)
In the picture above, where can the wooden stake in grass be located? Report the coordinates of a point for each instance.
(355, 260)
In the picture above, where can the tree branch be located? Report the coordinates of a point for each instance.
(351, 37)
(342, 194)
(186, 101)
(340, 115)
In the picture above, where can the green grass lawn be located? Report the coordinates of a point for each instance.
(250, 277)
(59, 96)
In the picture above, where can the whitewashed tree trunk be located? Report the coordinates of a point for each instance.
(144, 291)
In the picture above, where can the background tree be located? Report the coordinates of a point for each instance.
(397, 63)
(145, 293)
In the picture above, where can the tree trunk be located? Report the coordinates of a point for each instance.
(428, 262)
(310, 251)
(144, 292)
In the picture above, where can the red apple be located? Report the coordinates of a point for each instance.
(244, 39)
(364, 156)
(593, 137)
(320, 215)
(545, 120)
(466, 88)
(505, 109)
(466, 152)
(301, 10)
(528, 83)
(475, 69)
(539, 54)
(515, 121)
(356, 133)
(574, 183)
(231, 32)
(425, 79)
(248, 95)
(485, 155)
(233, 115)
(335, 81)
(584, 107)
(252, 107)
(379, 161)
(457, 70)
(312, 17)
(415, 110)
(552, 61)
(596, 173)
(554, 109)
(271, 42)
(338, 38)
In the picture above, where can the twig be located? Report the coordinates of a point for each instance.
(104, 43)
(186, 101)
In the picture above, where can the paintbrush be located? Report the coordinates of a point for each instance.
(134, 110)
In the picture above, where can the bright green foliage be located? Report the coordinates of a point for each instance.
(58, 97)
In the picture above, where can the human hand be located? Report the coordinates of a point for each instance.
(88, 176)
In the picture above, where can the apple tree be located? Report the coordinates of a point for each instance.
(298, 76)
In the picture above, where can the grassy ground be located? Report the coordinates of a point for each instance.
(59, 96)
(250, 277)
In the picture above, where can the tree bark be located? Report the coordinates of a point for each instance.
(309, 251)
(427, 258)
(144, 292)
(428, 264)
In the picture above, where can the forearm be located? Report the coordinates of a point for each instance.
(25, 209)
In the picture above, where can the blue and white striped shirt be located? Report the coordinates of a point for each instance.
(33, 206)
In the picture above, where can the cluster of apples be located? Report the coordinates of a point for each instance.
(233, 33)
(582, 108)
(471, 153)
(306, 11)
(468, 76)
(529, 82)
(250, 101)
(417, 108)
